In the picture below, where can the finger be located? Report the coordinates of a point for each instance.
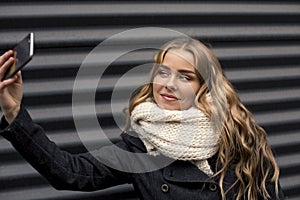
(7, 82)
(5, 67)
(5, 57)
(19, 77)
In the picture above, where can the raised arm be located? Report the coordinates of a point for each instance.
(62, 169)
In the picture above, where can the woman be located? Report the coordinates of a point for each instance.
(188, 112)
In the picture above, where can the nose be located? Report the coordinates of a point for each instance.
(171, 83)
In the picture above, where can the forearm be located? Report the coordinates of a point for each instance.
(62, 169)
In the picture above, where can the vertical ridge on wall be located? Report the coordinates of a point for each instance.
(257, 42)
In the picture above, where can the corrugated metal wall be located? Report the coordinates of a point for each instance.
(258, 43)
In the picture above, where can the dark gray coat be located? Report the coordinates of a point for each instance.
(179, 180)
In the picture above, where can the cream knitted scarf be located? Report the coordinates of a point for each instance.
(182, 135)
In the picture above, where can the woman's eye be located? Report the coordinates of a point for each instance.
(184, 78)
(163, 73)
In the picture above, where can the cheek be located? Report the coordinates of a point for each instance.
(157, 84)
(189, 92)
(157, 80)
(190, 96)
(156, 88)
(189, 89)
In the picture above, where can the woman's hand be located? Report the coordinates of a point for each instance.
(11, 89)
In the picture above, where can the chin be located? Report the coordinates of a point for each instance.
(168, 107)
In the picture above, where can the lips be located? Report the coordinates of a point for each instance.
(169, 97)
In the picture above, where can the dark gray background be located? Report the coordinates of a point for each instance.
(257, 42)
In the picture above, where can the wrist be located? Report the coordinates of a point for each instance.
(12, 114)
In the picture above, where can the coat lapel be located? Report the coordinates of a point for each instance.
(185, 171)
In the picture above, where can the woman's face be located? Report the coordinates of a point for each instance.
(176, 84)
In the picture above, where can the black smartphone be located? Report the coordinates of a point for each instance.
(23, 53)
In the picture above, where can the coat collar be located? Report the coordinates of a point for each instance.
(185, 171)
(132, 140)
(177, 171)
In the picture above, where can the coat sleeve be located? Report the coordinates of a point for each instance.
(82, 172)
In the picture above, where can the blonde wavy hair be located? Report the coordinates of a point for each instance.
(242, 141)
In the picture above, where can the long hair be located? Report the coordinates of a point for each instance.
(242, 141)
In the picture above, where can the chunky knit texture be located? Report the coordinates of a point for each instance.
(182, 135)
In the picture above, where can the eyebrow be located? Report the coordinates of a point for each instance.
(180, 71)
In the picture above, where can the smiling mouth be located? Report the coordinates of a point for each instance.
(168, 97)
